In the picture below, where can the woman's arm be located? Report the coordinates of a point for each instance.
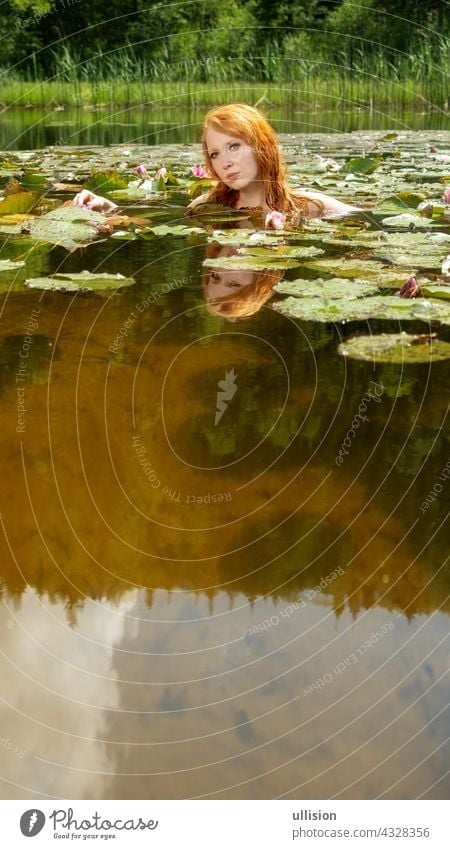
(332, 205)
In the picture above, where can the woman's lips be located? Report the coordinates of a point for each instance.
(233, 175)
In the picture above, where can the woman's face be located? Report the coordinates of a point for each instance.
(223, 282)
(232, 158)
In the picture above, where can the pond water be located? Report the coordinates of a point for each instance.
(203, 605)
(36, 127)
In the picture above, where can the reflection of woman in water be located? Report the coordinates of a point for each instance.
(242, 154)
(234, 293)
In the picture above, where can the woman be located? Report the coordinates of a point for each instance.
(242, 154)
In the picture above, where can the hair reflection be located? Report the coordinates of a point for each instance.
(234, 293)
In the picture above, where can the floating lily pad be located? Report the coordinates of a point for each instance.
(248, 237)
(82, 281)
(359, 309)
(217, 212)
(360, 165)
(399, 203)
(18, 203)
(68, 226)
(409, 220)
(172, 230)
(434, 290)
(417, 249)
(251, 263)
(280, 252)
(428, 260)
(365, 269)
(337, 287)
(10, 265)
(106, 181)
(395, 348)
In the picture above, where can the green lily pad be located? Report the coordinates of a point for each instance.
(82, 281)
(387, 307)
(251, 263)
(395, 348)
(399, 203)
(106, 181)
(217, 212)
(10, 229)
(280, 252)
(337, 287)
(171, 230)
(434, 290)
(34, 182)
(409, 220)
(418, 249)
(10, 265)
(68, 226)
(365, 269)
(360, 165)
(248, 237)
(18, 203)
(428, 258)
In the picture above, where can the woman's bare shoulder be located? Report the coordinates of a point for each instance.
(332, 206)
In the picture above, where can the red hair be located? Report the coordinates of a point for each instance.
(247, 123)
(243, 302)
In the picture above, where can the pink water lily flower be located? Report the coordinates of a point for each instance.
(410, 289)
(446, 195)
(275, 221)
(199, 171)
(161, 174)
(141, 171)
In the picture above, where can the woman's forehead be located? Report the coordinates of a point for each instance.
(218, 138)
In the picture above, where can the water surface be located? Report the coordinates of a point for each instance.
(192, 609)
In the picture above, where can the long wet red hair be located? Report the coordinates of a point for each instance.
(247, 123)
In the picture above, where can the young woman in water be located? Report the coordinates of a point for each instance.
(242, 153)
(243, 157)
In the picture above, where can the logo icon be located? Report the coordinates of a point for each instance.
(32, 822)
(228, 387)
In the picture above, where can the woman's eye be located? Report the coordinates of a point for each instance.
(212, 155)
(234, 146)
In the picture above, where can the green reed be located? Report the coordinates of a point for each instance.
(348, 80)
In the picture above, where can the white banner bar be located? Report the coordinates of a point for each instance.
(224, 824)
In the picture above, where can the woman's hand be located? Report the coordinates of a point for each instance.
(95, 202)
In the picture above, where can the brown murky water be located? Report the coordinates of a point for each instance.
(192, 609)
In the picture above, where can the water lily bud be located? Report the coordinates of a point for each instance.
(141, 171)
(161, 174)
(446, 195)
(410, 289)
(275, 220)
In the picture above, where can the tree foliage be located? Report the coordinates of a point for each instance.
(35, 33)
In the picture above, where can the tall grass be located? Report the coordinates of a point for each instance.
(126, 78)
